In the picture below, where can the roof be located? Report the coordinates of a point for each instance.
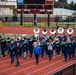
(63, 12)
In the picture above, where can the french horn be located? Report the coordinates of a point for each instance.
(70, 31)
(60, 30)
(44, 31)
(53, 31)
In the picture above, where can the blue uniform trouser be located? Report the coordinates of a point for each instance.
(46, 51)
(42, 51)
(12, 57)
(17, 60)
(73, 53)
(37, 58)
(65, 55)
(58, 51)
(20, 52)
(0, 49)
(31, 52)
(3, 51)
(70, 53)
(50, 52)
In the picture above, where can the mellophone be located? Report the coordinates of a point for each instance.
(60, 30)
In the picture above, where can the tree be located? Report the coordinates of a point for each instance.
(64, 4)
(72, 5)
(63, 1)
(75, 6)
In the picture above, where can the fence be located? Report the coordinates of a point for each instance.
(69, 70)
(41, 21)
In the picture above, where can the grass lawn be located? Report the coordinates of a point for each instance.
(6, 35)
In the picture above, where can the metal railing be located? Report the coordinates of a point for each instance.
(69, 70)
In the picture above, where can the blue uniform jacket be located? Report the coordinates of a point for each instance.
(74, 45)
(37, 50)
(12, 47)
(57, 46)
(44, 45)
(65, 48)
(70, 47)
(25, 47)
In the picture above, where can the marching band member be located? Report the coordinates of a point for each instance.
(73, 42)
(57, 46)
(25, 47)
(43, 46)
(11, 50)
(17, 53)
(35, 43)
(65, 49)
(0, 43)
(37, 52)
(20, 40)
(31, 46)
(70, 48)
(3, 46)
(8, 40)
(50, 49)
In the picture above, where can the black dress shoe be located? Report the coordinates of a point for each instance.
(12, 62)
(65, 60)
(36, 63)
(30, 56)
(24, 58)
(49, 59)
(16, 65)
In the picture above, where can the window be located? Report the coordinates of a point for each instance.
(3, 0)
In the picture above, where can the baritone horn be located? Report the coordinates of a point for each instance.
(70, 31)
(53, 31)
(60, 30)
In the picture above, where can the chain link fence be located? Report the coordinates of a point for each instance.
(42, 21)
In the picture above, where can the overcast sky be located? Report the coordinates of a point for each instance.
(69, 1)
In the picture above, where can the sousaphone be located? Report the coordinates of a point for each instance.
(60, 30)
(70, 31)
(44, 31)
(53, 31)
(36, 31)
